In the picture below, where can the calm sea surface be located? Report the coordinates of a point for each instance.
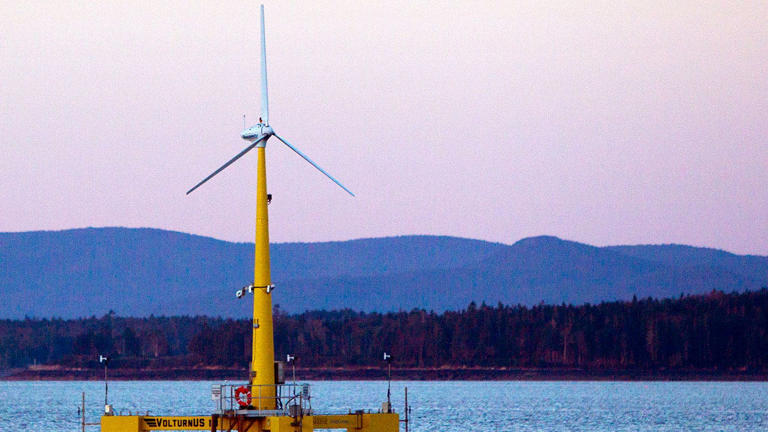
(437, 406)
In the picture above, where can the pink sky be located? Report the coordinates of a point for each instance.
(600, 122)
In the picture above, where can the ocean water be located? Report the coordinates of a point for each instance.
(436, 406)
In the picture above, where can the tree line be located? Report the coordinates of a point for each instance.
(717, 331)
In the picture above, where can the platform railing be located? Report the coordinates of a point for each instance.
(288, 399)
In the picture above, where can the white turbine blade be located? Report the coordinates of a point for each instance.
(229, 162)
(264, 95)
(298, 152)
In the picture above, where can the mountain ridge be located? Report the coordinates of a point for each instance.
(145, 271)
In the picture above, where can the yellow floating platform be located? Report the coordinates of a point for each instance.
(361, 422)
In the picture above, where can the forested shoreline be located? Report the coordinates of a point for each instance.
(718, 333)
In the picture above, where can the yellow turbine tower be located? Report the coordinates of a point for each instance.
(262, 374)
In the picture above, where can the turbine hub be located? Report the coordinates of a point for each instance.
(254, 133)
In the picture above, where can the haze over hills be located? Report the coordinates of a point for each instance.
(138, 272)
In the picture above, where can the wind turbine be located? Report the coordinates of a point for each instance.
(259, 134)
(262, 372)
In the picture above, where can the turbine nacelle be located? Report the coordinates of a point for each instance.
(258, 131)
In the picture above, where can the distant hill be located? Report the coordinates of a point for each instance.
(139, 272)
(752, 266)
